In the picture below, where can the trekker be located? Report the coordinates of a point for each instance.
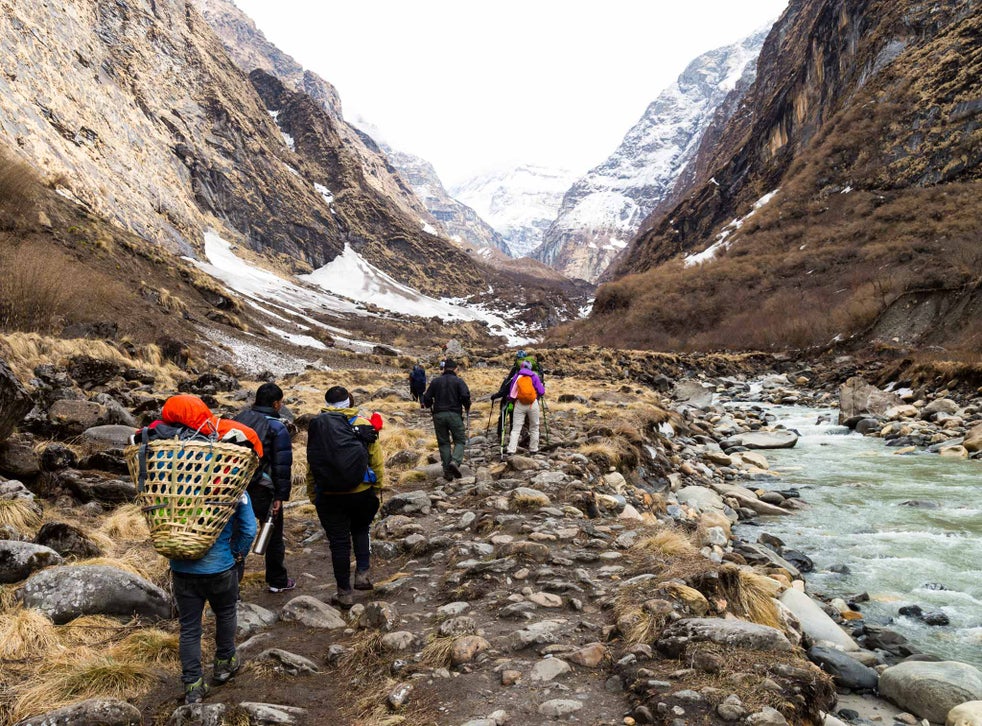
(417, 382)
(212, 579)
(526, 390)
(345, 473)
(507, 404)
(448, 397)
(271, 484)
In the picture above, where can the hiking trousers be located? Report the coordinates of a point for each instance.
(450, 424)
(262, 501)
(346, 519)
(518, 420)
(191, 592)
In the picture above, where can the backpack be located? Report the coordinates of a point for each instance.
(525, 390)
(337, 452)
(418, 376)
(259, 422)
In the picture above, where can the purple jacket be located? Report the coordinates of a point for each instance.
(536, 383)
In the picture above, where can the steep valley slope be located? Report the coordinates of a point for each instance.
(841, 199)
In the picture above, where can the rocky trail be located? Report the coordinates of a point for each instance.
(597, 582)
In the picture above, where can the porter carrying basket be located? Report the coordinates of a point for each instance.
(188, 491)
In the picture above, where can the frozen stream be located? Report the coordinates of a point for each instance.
(855, 488)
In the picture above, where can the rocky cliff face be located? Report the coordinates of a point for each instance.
(249, 48)
(864, 119)
(518, 203)
(603, 210)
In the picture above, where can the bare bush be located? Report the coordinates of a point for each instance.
(19, 188)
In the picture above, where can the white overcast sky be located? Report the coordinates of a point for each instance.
(473, 86)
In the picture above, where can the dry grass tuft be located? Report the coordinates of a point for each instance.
(412, 476)
(127, 524)
(90, 630)
(148, 645)
(78, 676)
(437, 652)
(21, 514)
(26, 632)
(8, 598)
(668, 543)
(604, 454)
(750, 595)
(135, 562)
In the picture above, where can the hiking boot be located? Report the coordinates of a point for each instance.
(362, 582)
(225, 669)
(454, 470)
(290, 584)
(196, 692)
(344, 599)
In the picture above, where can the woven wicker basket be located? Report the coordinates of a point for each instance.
(190, 492)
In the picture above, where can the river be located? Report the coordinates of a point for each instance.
(855, 488)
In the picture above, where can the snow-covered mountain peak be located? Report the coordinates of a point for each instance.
(606, 207)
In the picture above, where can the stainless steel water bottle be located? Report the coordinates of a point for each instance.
(262, 541)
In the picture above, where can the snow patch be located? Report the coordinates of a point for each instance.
(722, 239)
(325, 193)
(288, 140)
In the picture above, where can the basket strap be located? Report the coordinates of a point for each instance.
(142, 477)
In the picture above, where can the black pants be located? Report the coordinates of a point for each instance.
(346, 519)
(191, 592)
(262, 500)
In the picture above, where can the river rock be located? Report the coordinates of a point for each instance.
(761, 440)
(931, 690)
(19, 559)
(694, 394)
(259, 714)
(734, 633)
(966, 714)
(815, 622)
(858, 398)
(252, 618)
(313, 613)
(466, 648)
(845, 671)
(15, 400)
(92, 712)
(973, 439)
(940, 405)
(700, 498)
(67, 592)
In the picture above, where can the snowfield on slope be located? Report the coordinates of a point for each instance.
(338, 289)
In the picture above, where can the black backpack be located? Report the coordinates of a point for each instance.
(337, 452)
(259, 422)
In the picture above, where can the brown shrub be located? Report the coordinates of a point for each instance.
(19, 188)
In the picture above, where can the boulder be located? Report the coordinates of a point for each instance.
(845, 670)
(816, 624)
(259, 714)
(858, 398)
(733, 633)
(92, 712)
(109, 436)
(313, 613)
(761, 440)
(71, 418)
(19, 559)
(252, 618)
(693, 393)
(17, 456)
(283, 661)
(408, 503)
(931, 690)
(967, 714)
(15, 401)
(67, 592)
(88, 372)
(91, 486)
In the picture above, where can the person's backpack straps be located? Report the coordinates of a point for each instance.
(141, 479)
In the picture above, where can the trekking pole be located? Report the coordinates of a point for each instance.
(545, 419)
(490, 413)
